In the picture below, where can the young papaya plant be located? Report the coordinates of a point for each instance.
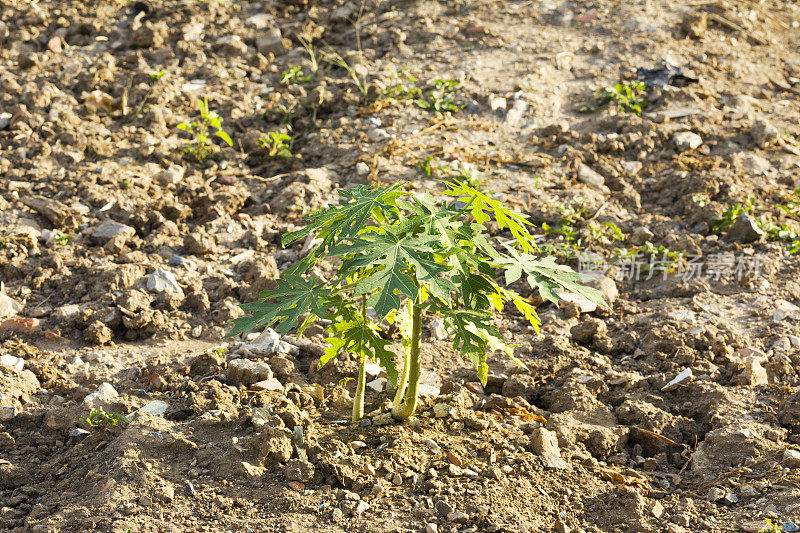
(402, 257)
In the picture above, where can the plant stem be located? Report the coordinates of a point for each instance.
(406, 409)
(401, 385)
(358, 401)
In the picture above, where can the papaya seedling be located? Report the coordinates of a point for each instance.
(276, 144)
(98, 418)
(200, 146)
(403, 257)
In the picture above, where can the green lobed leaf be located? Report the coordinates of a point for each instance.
(546, 276)
(284, 305)
(480, 205)
(346, 220)
(362, 339)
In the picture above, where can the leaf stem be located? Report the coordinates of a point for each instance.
(409, 405)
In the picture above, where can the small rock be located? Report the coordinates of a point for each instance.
(296, 485)
(443, 410)
(171, 176)
(337, 515)
(110, 230)
(584, 304)
(686, 140)
(457, 517)
(8, 306)
(632, 167)
(562, 527)
(270, 42)
(657, 509)
(694, 24)
(591, 178)
(753, 374)
(585, 332)
(432, 446)
(497, 104)
(382, 420)
(377, 134)
(764, 133)
(684, 377)
(715, 494)
(299, 470)
(361, 508)
(730, 498)
(104, 394)
(282, 366)
(756, 163)
(247, 372)
(748, 491)
(7, 412)
(791, 458)
(443, 508)
(453, 459)
(154, 408)
(436, 327)
(474, 387)
(251, 471)
(430, 527)
(78, 433)
(362, 169)
(476, 423)
(98, 334)
(783, 310)
(11, 361)
(744, 230)
(641, 235)
(163, 281)
(515, 115)
(269, 343)
(544, 443)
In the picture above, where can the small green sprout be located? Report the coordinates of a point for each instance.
(61, 238)
(334, 58)
(98, 418)
(770, 528)
(701, 199)
(403, 86)
(626, 96)
(440, 98)
(726, 219)
(294, 74)
(155, 76)
(200, 147)
(277, 144)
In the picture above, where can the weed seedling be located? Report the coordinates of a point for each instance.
(334, 58)
(402, 257)
(154, 77)
(294, 74)
(402, 87)
(626, 96)
(726, 219)
(440, 98)
(61, 238)
(98, 418)
(277, 144)
(200, 146)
